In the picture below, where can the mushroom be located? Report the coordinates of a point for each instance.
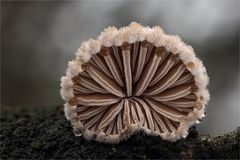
(131, 79)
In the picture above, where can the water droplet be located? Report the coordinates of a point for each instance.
(77, 132)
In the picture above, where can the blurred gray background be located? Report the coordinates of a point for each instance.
(39, 38)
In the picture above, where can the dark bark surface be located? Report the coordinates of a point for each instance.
(46, 134)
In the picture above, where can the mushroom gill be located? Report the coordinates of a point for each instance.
(131, 79)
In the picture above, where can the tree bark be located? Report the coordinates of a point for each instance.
(46, 134)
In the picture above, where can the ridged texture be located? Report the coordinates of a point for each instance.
(125, 82)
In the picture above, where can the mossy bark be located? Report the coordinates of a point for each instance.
(46, 134)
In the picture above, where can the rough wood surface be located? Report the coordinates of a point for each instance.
(46, 134)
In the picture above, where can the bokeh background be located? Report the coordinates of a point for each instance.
(39, 38)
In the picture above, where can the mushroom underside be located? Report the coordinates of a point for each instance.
(134, 85)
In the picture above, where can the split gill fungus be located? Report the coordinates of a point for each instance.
(131, 79)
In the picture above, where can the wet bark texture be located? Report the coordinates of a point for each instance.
(46, 134)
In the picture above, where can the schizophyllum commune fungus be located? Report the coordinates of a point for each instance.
(131, 79)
